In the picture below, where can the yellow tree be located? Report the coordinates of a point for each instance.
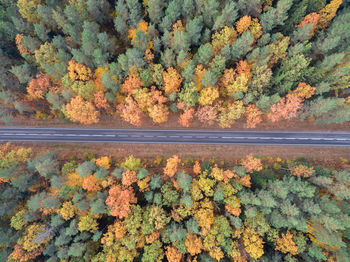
(171, 166)
(172, 80)
(285, 244)
(253, 243)
(79, 110)
(193, 244)
(77, 71)
(252, 164)
(207, 96)
(253, 115)
(173, 255)
(327, 13)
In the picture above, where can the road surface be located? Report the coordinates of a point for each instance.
(174, 136)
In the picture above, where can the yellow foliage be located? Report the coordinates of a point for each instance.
(29, 240)
(171, 166)
(74, 180)
(77, 71)
(227, 36)
(199, 72)
(207, 96)
(255, 28)
(67, 210)
(285, 244)
(88, 223)
(28, 10)
(172, 254)
(253, 243)
(103, 162)
(172, 80)
(327, 13)
(143, 184)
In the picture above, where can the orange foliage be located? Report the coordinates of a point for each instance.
(193, 244)
(101, 101)
(186, 117)
(311, 18)
(197, 168)
(243, 24)
(252, 164)
(171, 166)
(172, 254)
(130, 112)
(79, 110)
(152, 237)
(198, 76)
(21, 255)
(132, 82)
(21, 49)
(253, 114)
(302, 171)
(286, 108)
(285, 244)
(143, 26)
(73, 180)
(103, 162)
(119, 200)
(304, 91)
(128, 178)
(172, 80)
(91, 183)
(236, 211)
(38, 86)
(77, 71)
(157, 96)
(327, 13)
(149, 56)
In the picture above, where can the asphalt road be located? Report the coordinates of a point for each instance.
(174, 136)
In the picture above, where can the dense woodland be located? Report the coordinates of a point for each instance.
(102, 210)
(212, 60)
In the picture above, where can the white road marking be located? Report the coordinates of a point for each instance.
(135, 136)
(200, 136)
(162, 136)
(123, 135)
(212, 137)
(187, 136)
(174, 136)
(148, 136)
(227, 137)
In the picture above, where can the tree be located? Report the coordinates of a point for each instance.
(119, 200)
(39, 86)
(287, 108)
(302, 171)
(171, 166)
(186, 117)
(91, 183)
(130, 112)
(193, 244)
(253, 243)
(28, 10)
(285, 244)
(207, 96)
(243, 24)
(207, 114)
(173, 255)
(327, 13)
(309, 19)
(81, 111)
(159, 113)
(131, 83)
(77, 71)
(172, 80)
(252, 164)
(253, 114)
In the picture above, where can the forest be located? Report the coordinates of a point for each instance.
(213, 61)
(96, 208)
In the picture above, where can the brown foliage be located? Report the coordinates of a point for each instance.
(128, 178)
(21, 255)
(207, 114)
(173, 255)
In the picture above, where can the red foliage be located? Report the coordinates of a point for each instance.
(286, 108)
(132, 82)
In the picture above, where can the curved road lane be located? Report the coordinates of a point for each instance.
(174, 136)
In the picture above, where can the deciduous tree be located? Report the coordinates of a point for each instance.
(81, 111)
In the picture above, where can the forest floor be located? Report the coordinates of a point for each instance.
(333, 157)
(116, 122)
